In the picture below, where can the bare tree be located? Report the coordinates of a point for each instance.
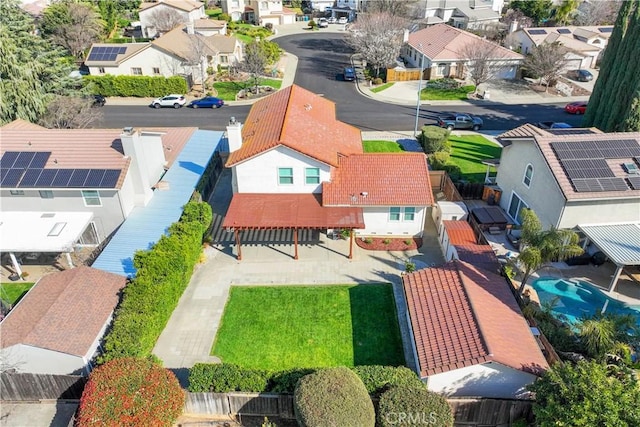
(74, 26)
(199, 52)
(255, 61)
(518, 17)
(164, 20)
(483, 61)
(378, 38)
(66, 112)
(596, 12)
(546, 61)
(401, 8)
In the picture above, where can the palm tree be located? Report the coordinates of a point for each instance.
(607, 334)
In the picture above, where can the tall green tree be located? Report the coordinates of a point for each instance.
(564, 12)
(615, 102)
(538, 10)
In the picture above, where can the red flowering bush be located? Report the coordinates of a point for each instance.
(131, 392)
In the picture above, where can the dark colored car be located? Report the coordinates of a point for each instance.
(460, 121)
(579, 107)
(207, 102)
(553, 125)
(99, 100)
(349, 74)
(580, 75)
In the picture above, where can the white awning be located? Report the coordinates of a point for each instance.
(619, 242)
(41, 231)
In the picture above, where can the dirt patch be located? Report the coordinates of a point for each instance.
(389, 244)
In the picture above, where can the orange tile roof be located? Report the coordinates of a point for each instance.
(463, 316)
(65, 311)
(460, 232)
(387, 179)
(300, 120)
(251, 211)
(481, 256)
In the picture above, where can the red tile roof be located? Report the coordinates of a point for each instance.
(249, 210)
(462, 316)
(460, 232)
(64, 311)
(374, 179)
(300, 120)
(444, 42)
(481, 256)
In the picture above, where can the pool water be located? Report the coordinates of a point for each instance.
(575, 300)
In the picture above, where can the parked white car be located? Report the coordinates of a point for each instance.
(173, 100)
(343, 20)
(323, 23)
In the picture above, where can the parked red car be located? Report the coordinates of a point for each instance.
(576, 107)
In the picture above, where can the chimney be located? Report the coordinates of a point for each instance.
(141, 168)
(190, 28)
(514, 26)
(234, 134)
(405, 36)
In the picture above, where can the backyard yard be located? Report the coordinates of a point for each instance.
(468, 152)
(10, 293)
(283, 327)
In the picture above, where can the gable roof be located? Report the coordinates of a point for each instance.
(459, 232)
(463, 316)
(206, 23)
(185, 5)
(379, 179)
(300, 120)
(183, 44)
(444, 42)
(481, 256)
(65, 311)
(539, 34)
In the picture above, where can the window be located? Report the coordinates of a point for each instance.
(89, 236)
(285, 176)
(91, 198)
(224, 59)
(515, 207)
(235, 3)
(101, 70)
(136, 71)
(442, 69)
(264, 5)
(394, 214)
(46, 194)
(16, 192)
(312, 176)
(528, 174)
(156, 70)
(409, 214)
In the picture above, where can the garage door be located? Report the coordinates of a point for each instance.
(506, 72)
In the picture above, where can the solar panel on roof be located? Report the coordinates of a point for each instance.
(122, 50)
(537, 32)
(564, 31)
(605, 29)
(62, 178)
(40, 159)
(24, 158)
(30, 178)
(78, 178)
(11, 177)
(634, 182)
(45, 180)
(8, 158)
(110, 178)
(613, 184)
(94, 178)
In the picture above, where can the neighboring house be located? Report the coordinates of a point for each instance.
(468, 334)
(278, 163)
(464, 14)
(458, 241)
(151, 12)
(210, 27)
(322, 5)
(584, 45)
(57, 327)
(443, 47)
(181, 51)
(570, 177)
(259, 12)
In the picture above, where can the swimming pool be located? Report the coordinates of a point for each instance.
(578, 299)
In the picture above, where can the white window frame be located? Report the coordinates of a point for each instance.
(46, 194)
(392, 212)
(101, 70)
(526, 179)
(314, 177)
(156, 71)
(16, 192)
(521, 205)
(405, 213)
(280, 176)
(134, 71)
(95, 195)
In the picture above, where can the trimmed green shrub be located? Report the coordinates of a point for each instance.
(163, 273)
(226, 377)
(407, 406)
(439, 160)
(453, 171)
(378, 379)
(133, 392)
(434, 139)
(140, 86)
(286, 381)
(333, 397)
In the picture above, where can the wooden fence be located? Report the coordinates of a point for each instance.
(441, 183)
(25, 387)
(467, 411)
(394, 75)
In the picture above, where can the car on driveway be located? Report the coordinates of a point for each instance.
(173, 100)
(343, 20)
(580, 75)
(553, 125)
(332, 20)
(323, 23)
(349, 74)
(207, 102)
(576, 107)
(460, 121)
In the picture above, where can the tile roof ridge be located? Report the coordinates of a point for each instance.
(286, 115)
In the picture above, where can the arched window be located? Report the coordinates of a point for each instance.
(528, 175)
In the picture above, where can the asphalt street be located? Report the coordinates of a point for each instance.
(321, 57)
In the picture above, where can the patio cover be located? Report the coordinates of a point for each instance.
(619, 242)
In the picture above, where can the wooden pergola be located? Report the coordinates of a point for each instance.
(251, 211)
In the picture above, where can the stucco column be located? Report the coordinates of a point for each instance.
(614, 279)
(16, 264)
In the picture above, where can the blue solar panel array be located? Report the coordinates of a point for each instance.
(564, 31)
(537, 32)
(25, 169)
(106, 53)
(605, 29)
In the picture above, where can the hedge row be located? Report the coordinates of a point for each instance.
(163, 273)
(226, 377)
(141, 86)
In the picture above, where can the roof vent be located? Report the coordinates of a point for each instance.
(307, 107)
(128, 130)
(364, 194)
(232, 120)
(630, 168)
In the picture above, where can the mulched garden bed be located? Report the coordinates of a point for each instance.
(389, 244)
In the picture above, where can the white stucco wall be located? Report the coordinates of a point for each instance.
(260, 174)
(487, 380)
(35, 360)
(521, 40)
(600, 211)
(377, 223)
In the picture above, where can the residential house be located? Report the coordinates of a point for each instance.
(584, 45)
(152, 12)
(440, 51)
(57, 327)
(286, 176)
(259, 12)
(468, 334)
(210, 27)
(182, 51)
(322, 5)
(464, 14)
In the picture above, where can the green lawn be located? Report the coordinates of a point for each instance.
(469, 151)
(228, 90)
(377, 146)
(434, 94)
(284, 327)
(382, 87)
(12, 292)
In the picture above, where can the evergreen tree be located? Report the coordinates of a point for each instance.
(615, 102)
